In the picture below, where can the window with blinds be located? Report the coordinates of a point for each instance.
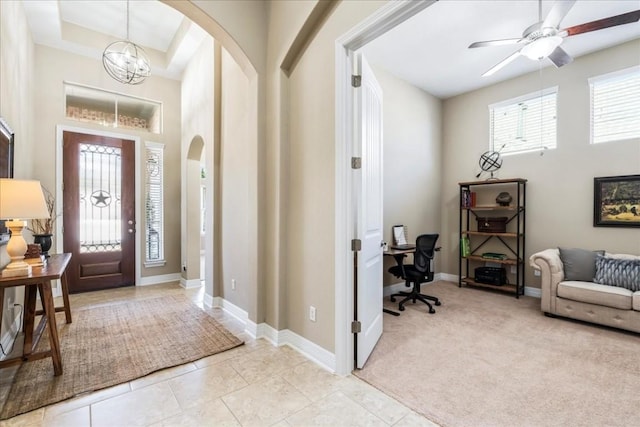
(615, 106)
(524, 124)
(154, 205)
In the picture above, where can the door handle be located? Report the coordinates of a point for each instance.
(130, 222)
(131, 230)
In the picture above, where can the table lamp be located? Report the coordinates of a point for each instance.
(20, 200)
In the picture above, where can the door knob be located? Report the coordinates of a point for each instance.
(131, 230)
(130, 222)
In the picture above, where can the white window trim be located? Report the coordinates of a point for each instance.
(603, 77)
(526, 97)
(159, 262)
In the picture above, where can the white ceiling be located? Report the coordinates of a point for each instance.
(86, 27)
(430, 50)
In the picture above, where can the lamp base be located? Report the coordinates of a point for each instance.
(16, 270)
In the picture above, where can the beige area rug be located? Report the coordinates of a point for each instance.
(489, 359)
(116, 343)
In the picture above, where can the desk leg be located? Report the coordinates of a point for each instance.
(29, 316)
(50, 312)
(65, 296)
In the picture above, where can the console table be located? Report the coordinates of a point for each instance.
(40, 281)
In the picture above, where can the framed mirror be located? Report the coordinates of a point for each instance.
(6, 166)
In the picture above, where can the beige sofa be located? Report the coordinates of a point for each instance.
(592, 302)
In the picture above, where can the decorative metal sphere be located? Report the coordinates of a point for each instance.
(126, 62)
(490, 161)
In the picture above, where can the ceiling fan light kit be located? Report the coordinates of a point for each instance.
(125, 61)
(541, 48)
(543, 39)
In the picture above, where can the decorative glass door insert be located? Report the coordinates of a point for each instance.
(100, 197)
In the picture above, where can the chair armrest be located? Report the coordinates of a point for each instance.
(549, 264)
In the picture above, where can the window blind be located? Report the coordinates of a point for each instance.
(524, 124)
(154, 204)
(615, 106)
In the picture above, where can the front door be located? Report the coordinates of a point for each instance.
(99, 211)
(369, 211)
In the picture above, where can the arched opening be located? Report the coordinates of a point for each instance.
(194, 249)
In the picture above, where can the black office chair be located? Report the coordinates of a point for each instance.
(417, 273)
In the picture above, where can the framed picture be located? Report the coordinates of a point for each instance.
(6, 166)
(616, 201)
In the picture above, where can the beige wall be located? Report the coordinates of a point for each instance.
(17, 108)
(197, 98)
(412, 157)
(53, 67)
(239, 248)
(310, 181)
(560, 182)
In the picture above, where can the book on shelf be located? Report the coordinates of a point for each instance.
(467, 198)
(465, 247)
(494, 255)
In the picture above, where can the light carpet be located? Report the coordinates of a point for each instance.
(489, 359)
(114, 344)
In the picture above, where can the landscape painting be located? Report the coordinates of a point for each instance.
(617, 201)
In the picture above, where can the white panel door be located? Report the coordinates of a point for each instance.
(368, 101)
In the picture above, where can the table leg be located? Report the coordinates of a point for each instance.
(65, 296)
(50, 312)
(29, 316)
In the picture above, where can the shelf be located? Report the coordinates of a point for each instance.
(493, 181)
(508, 261)
(490, 208)
(484, 233)
(476, 204)
(505, 288)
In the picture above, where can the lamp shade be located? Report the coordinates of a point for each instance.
(22, 199)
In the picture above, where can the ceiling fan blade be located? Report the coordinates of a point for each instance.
(557, 13)
(495, 43)
(501, 64)
(612, 21)
(559, 57)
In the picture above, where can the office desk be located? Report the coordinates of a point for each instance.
(398, 255)
(40, 280)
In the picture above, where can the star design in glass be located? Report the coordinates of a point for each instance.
(101, 199)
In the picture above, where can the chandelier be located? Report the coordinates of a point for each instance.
(125, 61)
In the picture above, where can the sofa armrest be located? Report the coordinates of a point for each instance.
(549, 264)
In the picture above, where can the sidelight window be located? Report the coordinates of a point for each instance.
(154, 205)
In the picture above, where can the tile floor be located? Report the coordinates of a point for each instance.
(256, 384)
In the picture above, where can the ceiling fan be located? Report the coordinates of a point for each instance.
(542, 39)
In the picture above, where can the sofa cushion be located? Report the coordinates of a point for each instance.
(636, 301)
(624, 273)
(594, 293)
(579, 264)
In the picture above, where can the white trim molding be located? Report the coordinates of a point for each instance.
(191, 283)
(161, 278)
(308, 349)
(11, 334)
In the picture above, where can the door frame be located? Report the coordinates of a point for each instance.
(60, 129)
(384, 19)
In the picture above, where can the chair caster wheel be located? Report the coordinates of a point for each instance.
(392, 299)
(401, 308)
(438, 303)
(431, 311)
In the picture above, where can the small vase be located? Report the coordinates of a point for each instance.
(44, 240)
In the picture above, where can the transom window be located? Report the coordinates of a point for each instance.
(615, 106)
(524, 124)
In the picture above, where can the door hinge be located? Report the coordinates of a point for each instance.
(356, 162)
(356, 327)
(356, 245)
(356, 80)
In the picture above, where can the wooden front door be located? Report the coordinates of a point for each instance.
(99, 211)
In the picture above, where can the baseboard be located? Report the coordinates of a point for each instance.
(190, 284)
(396, 287)
(161, 278)
(307, 348)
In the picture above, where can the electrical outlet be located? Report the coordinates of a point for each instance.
(536, 272)
(513, 269)
(233, 284)
(312, 313)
